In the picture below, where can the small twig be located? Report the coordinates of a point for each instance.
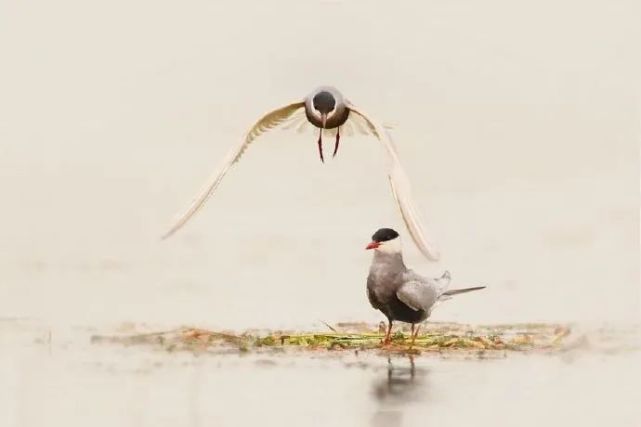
(145, 335)
(329, 326)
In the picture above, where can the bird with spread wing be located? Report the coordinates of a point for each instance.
(326, 109)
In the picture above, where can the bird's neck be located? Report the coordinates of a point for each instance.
(391, 259)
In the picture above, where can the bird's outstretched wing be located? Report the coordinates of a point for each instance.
(267, 122)
(400, 183)
(297, 121)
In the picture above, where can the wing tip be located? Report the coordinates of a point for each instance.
(172, 230)
(431, 254)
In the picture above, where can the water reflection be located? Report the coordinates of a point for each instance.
(403, 383)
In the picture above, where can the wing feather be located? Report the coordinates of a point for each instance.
(296, 120)
(361, 125)
(268, 121)
(401, 188)
(417, 295)
(347, 129)
(303, 126)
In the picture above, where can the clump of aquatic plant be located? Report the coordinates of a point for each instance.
(436, 337)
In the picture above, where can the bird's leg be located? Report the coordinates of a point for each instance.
(387, 338)
(414, 334)
(320, 145)
(338, 138)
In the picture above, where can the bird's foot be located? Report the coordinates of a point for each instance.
(387, 341)
(338, 138)
(320, 146)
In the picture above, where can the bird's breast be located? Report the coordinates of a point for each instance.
(338, 118)
(383, 282)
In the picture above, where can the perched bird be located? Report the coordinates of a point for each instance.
(398, 292)
(326, 109)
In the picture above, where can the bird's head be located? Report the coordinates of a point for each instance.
(324, 104)
(385, 240)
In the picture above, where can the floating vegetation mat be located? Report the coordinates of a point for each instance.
(434, 337)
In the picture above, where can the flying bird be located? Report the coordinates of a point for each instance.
(326, 109)
(398, 292)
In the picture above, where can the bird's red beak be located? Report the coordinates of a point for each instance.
(373, 245)
(324, 119)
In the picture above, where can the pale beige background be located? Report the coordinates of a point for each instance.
(518, 124)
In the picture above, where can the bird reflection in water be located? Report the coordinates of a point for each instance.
(403, 384)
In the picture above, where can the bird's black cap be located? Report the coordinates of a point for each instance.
(324, 102)
(384, 234)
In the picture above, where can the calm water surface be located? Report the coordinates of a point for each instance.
(73, 383)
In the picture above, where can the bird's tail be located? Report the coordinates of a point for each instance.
(462, 291)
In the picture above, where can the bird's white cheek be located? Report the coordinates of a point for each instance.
(391, 247)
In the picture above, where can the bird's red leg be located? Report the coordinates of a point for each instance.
(414, 334)
(338, 138)
(320, 145)
(387, 338)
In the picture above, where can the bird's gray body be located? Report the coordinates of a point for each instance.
(400, 293)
